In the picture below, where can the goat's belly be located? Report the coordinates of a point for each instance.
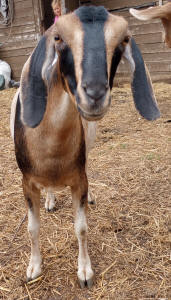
(41, 184)
(56, 176)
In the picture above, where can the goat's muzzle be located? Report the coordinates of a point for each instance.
(93, 101)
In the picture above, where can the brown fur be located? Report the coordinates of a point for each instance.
(59, 146)
(53, 154)
(117, 27)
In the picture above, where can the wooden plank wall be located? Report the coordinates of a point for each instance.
(17, 41)
(71, 5)
(149, 35)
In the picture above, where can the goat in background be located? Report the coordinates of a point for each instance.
(5, 76)
(65, 87)
(162, 12)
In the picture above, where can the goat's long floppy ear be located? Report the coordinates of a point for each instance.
(34, 83)
(162, 12)
(142, 90)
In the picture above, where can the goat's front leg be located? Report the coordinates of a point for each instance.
(32, 196)
(90, 197)
(80, 201)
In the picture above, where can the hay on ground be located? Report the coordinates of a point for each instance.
(129, 227)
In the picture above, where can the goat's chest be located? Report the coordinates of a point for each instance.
(56, 158)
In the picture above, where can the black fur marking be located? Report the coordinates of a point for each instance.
(94, 62)
(141, 89)
(21, 152)
(92, 14)
(35, 96)
(30, 204)
(83, 200)
(67, 68)
(115, 62)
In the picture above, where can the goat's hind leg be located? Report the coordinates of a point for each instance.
(50, 201)
(90, 197)
(80, 202)
(32, 196)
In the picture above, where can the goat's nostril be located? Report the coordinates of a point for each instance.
(95, 91)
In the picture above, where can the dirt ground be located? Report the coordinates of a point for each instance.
(129, 226)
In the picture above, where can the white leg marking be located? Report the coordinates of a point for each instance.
(85, 272)
(50, 201)
(34, 268)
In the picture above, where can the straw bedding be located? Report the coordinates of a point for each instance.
(129, 226)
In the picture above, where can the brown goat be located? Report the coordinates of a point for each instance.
(162, 12)
(65, 85)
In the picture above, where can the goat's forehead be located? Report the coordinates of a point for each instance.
(69, 28)
(115, 28)
(73, 28)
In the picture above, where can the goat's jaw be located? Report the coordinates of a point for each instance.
(91, 117)
(94, 115)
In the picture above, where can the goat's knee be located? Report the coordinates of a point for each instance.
(80, 223)
(33, 224)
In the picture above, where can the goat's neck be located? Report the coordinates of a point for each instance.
(61, 113)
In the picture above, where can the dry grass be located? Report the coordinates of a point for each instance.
(129, 227)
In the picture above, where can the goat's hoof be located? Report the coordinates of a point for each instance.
(91, 202)
(90, 282)
(86, 283)
(50, 204)
(51, 210)
(91, 199)
(33, 271)
(86, 278)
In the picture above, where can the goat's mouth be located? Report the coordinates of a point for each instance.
(92, 116)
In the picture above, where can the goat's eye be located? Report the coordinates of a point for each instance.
(57, 38)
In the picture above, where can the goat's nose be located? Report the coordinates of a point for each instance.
(95, 91)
